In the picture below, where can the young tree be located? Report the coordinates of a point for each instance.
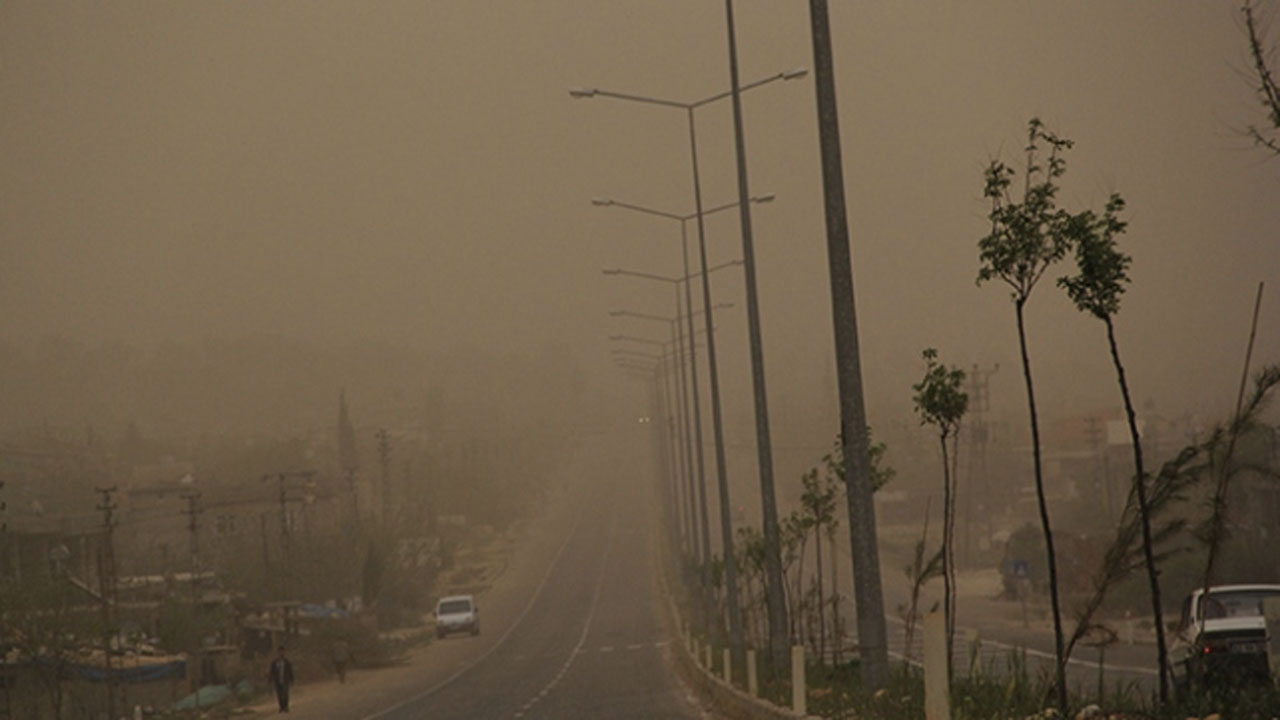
(751, 557)
(794, 538)
(1266, 85)
(919, 572)
(941, 402)
(1096, 289)
(1225, 466)
(1027, 237)
(819, 503)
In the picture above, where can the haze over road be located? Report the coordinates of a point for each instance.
(580, 632)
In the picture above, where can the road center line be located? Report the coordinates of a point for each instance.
(591, 613)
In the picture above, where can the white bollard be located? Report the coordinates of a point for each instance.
(752, 684)
(707, 656)
(937, 700)
(799, 700)
(724, 656)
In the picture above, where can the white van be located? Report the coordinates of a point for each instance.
(457, 613)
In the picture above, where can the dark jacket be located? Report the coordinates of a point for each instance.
(281, 672)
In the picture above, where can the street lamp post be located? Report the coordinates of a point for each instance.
(722, 481)
(693, 441)
(702, 554)
(673, 324)
(776, 611)
(634, 363)
(672, 376)
(689, 501)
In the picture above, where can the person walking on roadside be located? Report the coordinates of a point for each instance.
(280, 676)
(341, 658)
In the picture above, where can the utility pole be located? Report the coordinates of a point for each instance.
(869, 595)
(193, 529)
(284, 499)
(107, 588)
(384, 460)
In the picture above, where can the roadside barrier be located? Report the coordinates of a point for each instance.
(693, 662)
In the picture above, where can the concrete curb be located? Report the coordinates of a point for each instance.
(726, 698)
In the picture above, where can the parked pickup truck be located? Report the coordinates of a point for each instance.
(1223, 639)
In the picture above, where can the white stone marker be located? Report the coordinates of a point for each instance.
(799, 699)
(752, 684)
(937, 698)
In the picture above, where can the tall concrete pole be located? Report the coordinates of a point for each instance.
(703, 527)
(868, 594)
(764, 445)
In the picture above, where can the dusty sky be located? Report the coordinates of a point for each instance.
(415, 172)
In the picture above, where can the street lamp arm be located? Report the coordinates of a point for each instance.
(584, 92)
(610, 202)
(786, 75)
(643, 209)
(713, 268)
(659, 318)
(636, 353)
(644, 275)
(590, 92)
(632, 338)
(641, 316)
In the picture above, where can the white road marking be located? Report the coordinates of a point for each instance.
(1137, 669)
(591, 613)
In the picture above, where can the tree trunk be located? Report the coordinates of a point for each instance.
(822, 610)
(798, 609)
(948, 584)
(837, 637)
(1140, 485)
(1060, 669)
(955, 493)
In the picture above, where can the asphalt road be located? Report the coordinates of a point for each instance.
(1001, 635)
(590, 643)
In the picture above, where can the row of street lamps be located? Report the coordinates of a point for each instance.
(702, 521)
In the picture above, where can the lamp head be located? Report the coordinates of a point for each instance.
(767, 197)
(602, 201)
(611, 271)
(582, 92)
(791, 74)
